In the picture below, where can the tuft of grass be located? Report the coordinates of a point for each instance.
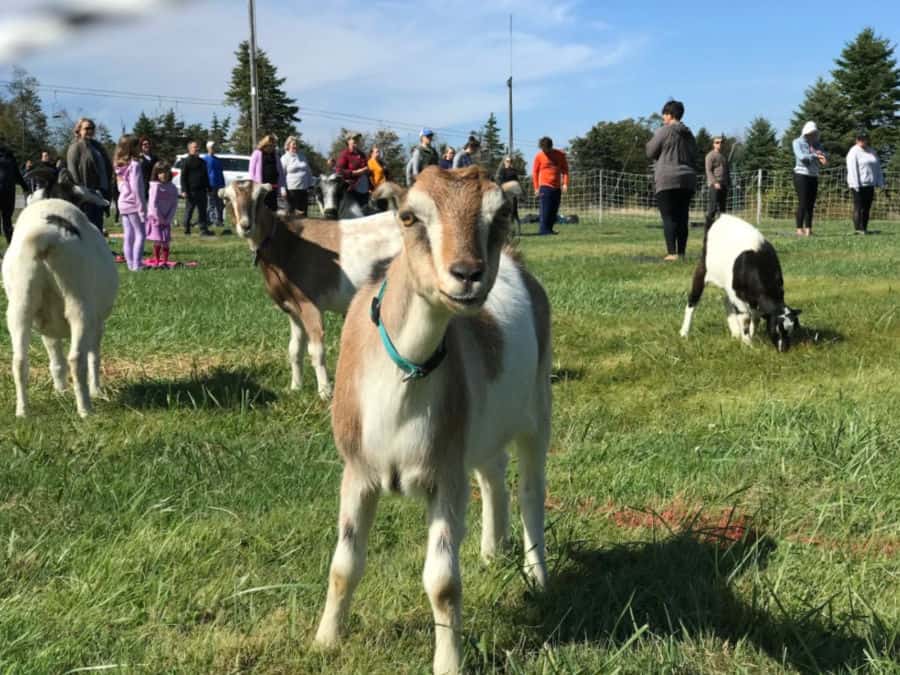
(711, 508)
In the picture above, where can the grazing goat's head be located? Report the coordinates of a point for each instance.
(454, 224)
(60, 185)
(330, 191)
(245, 199)
(782, 327)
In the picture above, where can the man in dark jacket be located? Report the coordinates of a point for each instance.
(148, 161)
(194, 185)
(10, 176)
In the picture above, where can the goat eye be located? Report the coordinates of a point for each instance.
(407, 218)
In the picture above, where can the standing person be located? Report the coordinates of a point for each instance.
(46, 161)
(717, 179)
(148, 161)
(353, 167)
(550, 177)
(446, 161)
(809, 156)
(216, 182)
(90, 167)
(464, 157)
(10, 176)
(194, 188)
(297, 174)
(378, 174)
(265, 168)
(132, 202)
(863, 176)
(673, 150)
(161, 206)
(423, 155)
(506, 172)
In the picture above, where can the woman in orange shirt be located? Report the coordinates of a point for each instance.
(377, 174)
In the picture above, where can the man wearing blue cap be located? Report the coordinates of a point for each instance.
(423, 155)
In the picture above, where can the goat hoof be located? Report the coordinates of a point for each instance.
(21, 413)
(325, 393)
(683, 333)
(326, 639)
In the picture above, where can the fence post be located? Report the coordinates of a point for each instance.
(758, 196)
(600, 203)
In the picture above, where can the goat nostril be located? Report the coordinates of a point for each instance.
(466, 271)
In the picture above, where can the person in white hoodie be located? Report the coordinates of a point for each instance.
(863, 176)
(298, 175)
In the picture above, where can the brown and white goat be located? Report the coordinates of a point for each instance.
(310, 266)
(453, 290)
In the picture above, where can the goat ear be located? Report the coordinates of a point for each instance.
(393, 193)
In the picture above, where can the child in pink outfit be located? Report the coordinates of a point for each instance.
(132, 201)
(160, 213)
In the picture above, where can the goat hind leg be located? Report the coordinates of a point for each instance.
(59, 369)
(697, 285)
(532, 450)
(316, 348)
(357, 511)
(494, 505)
(93, 359)
(19, 324)
(82, 340)
(296, 347)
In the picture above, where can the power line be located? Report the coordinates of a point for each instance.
(332, 115)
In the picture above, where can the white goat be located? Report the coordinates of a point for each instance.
(738, 259)
(310, 266)
(452, 292)
(58, 274)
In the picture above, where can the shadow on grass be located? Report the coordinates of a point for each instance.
(682, 587)
(819, 337)
(219, 388)
(560, 375)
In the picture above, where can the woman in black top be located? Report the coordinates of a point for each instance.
(505, 173)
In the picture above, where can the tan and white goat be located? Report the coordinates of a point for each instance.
(310, 266)
(453, 290)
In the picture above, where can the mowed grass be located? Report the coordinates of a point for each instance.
(711, 508)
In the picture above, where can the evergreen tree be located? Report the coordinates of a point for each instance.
(170, 136)
(218, 133)
(760, 147)
(277, 112)
(145, 126)
(492, 148)
(869, 82)
(616, 146)
(824, 105)
(29, 133)
(704, 145)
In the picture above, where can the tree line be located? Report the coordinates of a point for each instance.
(863, 92)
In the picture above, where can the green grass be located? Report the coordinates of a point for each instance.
(711, 508)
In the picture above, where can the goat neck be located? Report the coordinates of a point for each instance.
(266, 230)
(415, 325)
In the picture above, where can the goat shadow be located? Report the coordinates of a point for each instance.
(219, 388)
(562, 375)
(818, 337)
(681, 587)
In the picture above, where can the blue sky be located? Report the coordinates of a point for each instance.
(444, 63)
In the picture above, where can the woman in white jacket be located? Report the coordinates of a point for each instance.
(298, 175)
(863, 176)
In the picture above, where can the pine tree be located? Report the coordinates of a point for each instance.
(30, 133)
(492, 148)
(824, 105)
(218, 133)
(704, 143)
(616, 146)
(760, 147)
(145, 126)
(277, 111)
(869, 81)
(170, 136)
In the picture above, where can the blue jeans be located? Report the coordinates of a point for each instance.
(549, 200)
(214, 207)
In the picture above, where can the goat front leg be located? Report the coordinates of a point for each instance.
(82, 340)
(357, 511)
(734, 323)
(19, 324)
(59, 369)
(446, 528)
(494, 506)
(296, 347)
(532, 450)
(745, 322)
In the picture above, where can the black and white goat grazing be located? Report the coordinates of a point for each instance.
(738, 259)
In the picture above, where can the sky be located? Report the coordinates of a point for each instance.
(444, 63)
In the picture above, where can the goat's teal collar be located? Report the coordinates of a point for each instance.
(414, 371)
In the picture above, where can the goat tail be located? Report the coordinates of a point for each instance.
(47, 233)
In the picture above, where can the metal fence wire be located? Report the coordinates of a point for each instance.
(752, 195)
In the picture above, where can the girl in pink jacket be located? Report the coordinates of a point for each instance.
(132, 200)
(160, 213)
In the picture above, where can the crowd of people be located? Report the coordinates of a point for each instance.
(140, 184)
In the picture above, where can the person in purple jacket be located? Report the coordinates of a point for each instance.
(161, 206)
(132, 202)
(266, 168)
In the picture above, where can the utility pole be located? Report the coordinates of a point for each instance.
(509, 86)
(254, 93)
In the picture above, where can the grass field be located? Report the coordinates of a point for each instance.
(711, 508)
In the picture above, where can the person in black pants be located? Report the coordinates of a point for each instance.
(194, 186)
(716, 165)
(673, 150)
(864, 174)
(809, 156)
(10, 176)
